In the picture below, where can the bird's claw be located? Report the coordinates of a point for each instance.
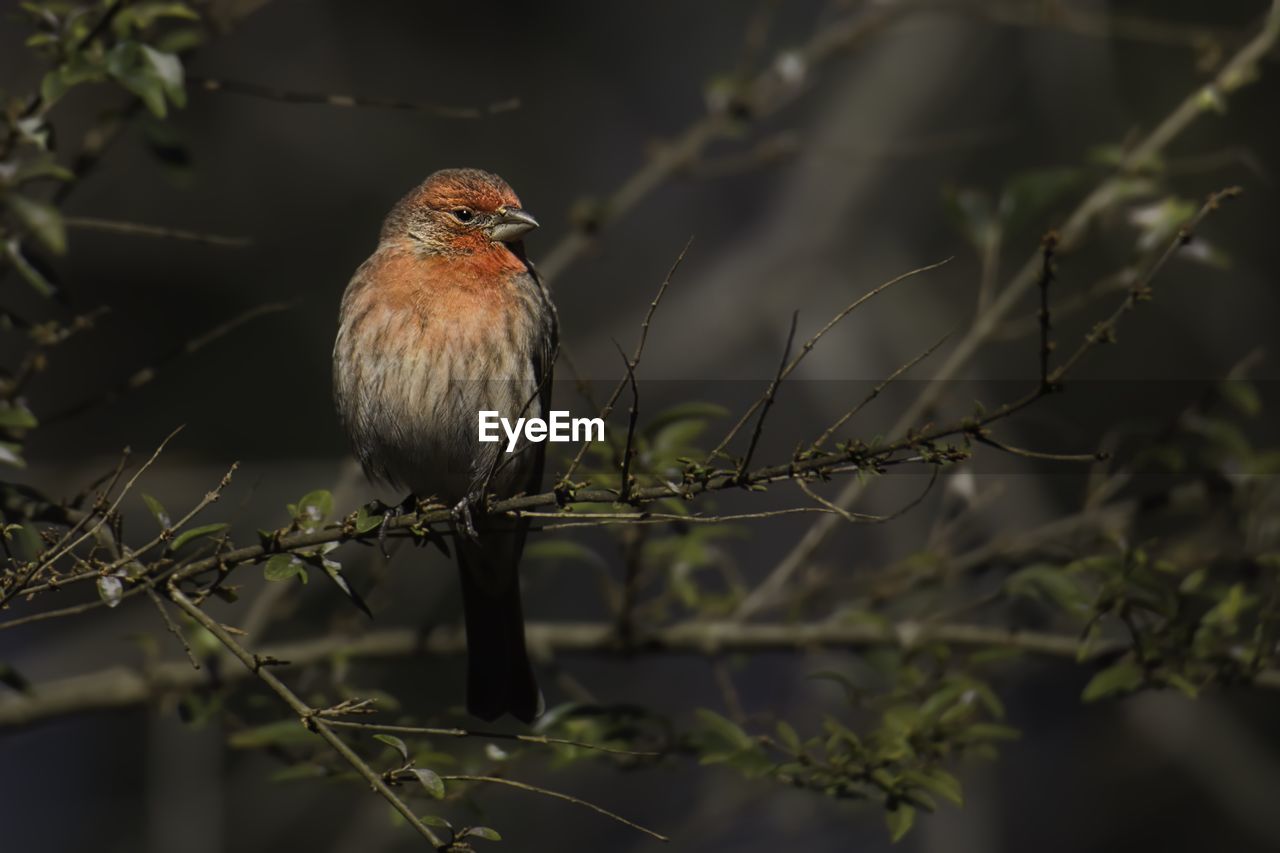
(463, 523)
(389, 515)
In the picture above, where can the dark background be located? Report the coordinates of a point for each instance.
(935, 101)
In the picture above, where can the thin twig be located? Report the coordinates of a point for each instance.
(49, 560)
(847, 515)
(210, 497)
(633, 417)
(306, 714)
(634, 361)
(147, 375)
(138, 229)
(476, 733)
(758, 98)
(812, 342)
(525, 786)
(1104, 331)
(1238, 71)
(172, 626)
(600, 519)
(766, 402)
(270, 93)
(876, 391)
(1037, 454)
(1048, 244)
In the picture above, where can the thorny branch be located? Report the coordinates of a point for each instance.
(1235, 73)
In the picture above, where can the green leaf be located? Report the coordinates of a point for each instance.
(157, 509)
(683, 412)
(480, 832)
(281, 733)
(1122, 677)
(1192, 582)
(1226, 613)
(436, 821)
(142, 15)
(281, 567)
(724, 729)
(720, 740)
(787, 734)
(195, 533)
(312, 510)
(1030, 194)
(940, 782)
(367, 521)
(40, 218)
(1048, 583)
(180, 40)
(900, 821)
(152, 75)
(16, 416)
(431, 781)
(563, 551)
(1242, 395)
(168, 68)
(42, 165)
(28, 271)
(1177, 681)
(75, 71)
(991, 731)
(395, 743)
(305, 770)
(972, 211)
(333, 570)
(677, 439)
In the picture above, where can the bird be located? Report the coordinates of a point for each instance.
(445, 319)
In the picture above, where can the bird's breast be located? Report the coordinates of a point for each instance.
(423, 346)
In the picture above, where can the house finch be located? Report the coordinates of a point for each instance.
(447, 318)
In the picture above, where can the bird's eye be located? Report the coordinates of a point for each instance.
(462, 214)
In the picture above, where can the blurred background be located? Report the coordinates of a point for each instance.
(884, 160)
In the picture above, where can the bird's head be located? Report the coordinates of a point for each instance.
(459, 210)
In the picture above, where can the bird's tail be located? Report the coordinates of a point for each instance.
(500, 677)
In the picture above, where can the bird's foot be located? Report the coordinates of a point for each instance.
(463, 523)
(389, 515)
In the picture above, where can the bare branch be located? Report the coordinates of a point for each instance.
(813, 341)
(137, 229)
(766, 402)
(121, 687)
(876, 391)
(1237, 72)
(490, 735)
(546, 792)
(306, 714)
(634, 361)
(287, 96)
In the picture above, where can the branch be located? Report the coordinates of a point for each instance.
(287, 96)
(146, 375)
(766, 402)
(546, 792)
(757, 98)
(122, 687)
(306, 714)
(137, 229)
(812, 342)
(632, 363)
(1237, 72)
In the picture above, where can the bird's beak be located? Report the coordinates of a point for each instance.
(512, 224)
